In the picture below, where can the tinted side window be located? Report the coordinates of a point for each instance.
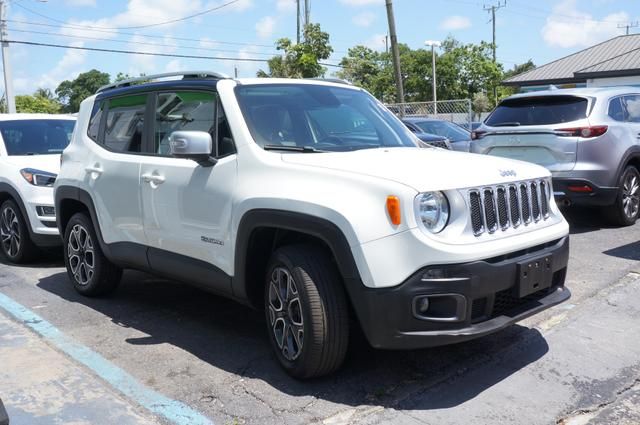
(538, 111)
(226, 146)
(182, 111)
(632, 104)
(125, 122)
(94, 123)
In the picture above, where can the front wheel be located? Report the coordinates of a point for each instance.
(624, 212)
(17, 246)
(306, 311)
(90, 271)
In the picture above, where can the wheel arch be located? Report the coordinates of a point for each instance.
(261, 231)
(9, 192)
(70, 200)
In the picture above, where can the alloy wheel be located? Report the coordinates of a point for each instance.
(631, 195)
(285, 313)
(10, 232)
(81, 254)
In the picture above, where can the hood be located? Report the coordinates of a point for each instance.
(423, 169)
(50, 163)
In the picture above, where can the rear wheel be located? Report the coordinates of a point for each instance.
(625, 210)
(90, 271)
(14, 234)
(306, 311)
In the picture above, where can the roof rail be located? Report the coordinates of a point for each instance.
(148, 78)
(331, 80)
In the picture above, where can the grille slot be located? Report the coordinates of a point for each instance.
(477, 222)
(535, 205)
(544, 199)
(490, 211)
(504, 207)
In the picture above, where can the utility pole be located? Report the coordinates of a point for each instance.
(395, 53)
(307, 13)
(298, 22)
(8, 80)
(492, 10)
(434, 44)
(629, 25)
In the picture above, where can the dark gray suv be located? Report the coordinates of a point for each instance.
(588, 138)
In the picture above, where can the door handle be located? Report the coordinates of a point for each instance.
(153, 178)
(94, 169)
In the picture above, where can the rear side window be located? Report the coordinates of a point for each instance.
(541, 110)
(632, 104)
(125, 123)
(94, 123)
(617, 110)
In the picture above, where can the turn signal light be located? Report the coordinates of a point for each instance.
(393, 208)
(584, 132)
(475, 135)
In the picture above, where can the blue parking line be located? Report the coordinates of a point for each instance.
(172, 410)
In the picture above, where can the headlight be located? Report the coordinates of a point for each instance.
(38, 177)
(433, 210)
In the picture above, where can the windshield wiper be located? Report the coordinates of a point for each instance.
(506, 124)
(303, 149)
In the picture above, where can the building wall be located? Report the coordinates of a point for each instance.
(615, 81)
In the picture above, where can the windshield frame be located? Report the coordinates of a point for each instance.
(19, 124)
(307, 130)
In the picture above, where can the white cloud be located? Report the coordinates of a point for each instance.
(285, 6)
(174, 65)
(80, 3)
(364, 19)
(208, 43)
(455, 22)
(362, 2)
(67, 68)
(569, 27)
(376, 42)
(265, 27)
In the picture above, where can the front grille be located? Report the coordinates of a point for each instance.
(439, 144)
(508, 206)
(506, 301)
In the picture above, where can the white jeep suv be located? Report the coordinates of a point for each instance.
(30, 147)
(312, 201)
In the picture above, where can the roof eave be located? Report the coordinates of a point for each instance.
(609, 74)
(543, 82)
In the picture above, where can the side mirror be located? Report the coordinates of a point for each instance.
(195, 145)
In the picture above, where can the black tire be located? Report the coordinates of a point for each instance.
(625, 210)
(90, 271)
(16, 242)
(322, 308)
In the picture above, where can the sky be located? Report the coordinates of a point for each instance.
(542, 30)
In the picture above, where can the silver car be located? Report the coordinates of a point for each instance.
(588, 138)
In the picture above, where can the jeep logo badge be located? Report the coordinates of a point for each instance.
(507, 173)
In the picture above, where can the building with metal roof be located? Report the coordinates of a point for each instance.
(614, 62)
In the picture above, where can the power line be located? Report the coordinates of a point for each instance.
(235, 43)
(138, 42)
(132, 52)
(172, 21)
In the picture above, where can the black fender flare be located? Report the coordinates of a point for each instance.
(314, 226)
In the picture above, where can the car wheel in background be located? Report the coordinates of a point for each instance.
(626, 208)
(14, 234)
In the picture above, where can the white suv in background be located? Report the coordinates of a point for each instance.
(312, 201)
(30, 147)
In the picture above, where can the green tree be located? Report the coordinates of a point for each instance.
(37, 104)
(301, 60)
(480, 103)
(517, 69)
(71, 93)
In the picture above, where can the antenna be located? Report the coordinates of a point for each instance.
(629, 25)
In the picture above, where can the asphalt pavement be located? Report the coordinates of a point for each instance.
(189, 356)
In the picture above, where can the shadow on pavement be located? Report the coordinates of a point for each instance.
(233, 338)
(50, 257)
(630, 251)
(584, 220)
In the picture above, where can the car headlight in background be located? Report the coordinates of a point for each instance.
(433, 211)
(38, 177)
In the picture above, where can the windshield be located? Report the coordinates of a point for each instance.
(319, 118)
(539, 110)
(451, 131)
(36, 137)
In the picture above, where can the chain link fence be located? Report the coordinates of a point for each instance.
(456, 111)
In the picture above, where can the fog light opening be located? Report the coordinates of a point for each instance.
(422, 305)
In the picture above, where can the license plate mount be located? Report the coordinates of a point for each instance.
(534, 275)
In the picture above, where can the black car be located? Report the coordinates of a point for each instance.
(458, 137)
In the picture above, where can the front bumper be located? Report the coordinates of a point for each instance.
(488, 288)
